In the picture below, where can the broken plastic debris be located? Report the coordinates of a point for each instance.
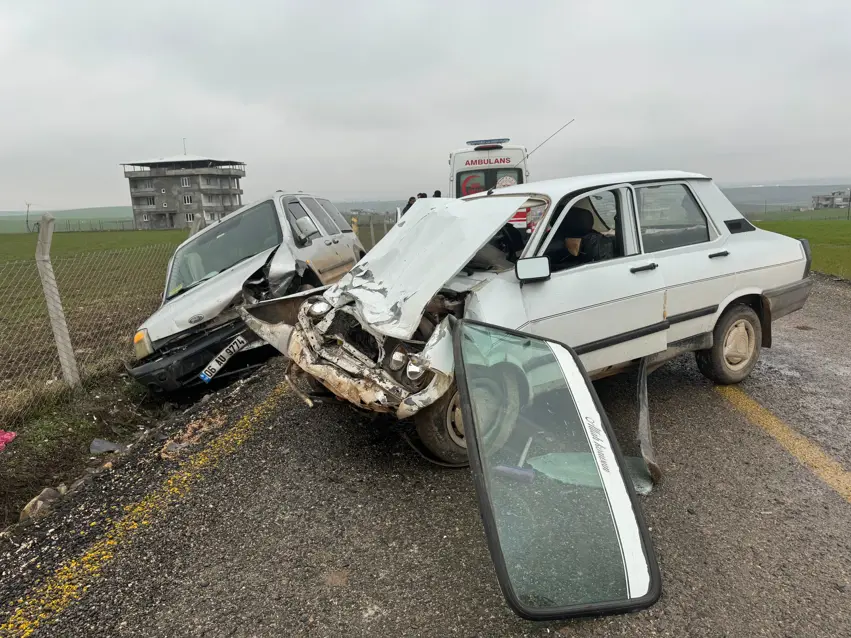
(579, 468)
(102, 446)
(6, 438)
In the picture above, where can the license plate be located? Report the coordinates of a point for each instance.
(222, 358)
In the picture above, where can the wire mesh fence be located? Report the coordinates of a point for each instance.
(103, 297)
(65, 319)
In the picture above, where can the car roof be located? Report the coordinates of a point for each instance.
(555, 188)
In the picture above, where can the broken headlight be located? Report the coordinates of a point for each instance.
(414, 371)
(398, 359)
(319, 308)
(142, 344)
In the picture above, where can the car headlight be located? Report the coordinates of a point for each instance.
(398, 359)
(319, 308)
(414, 371)
(142, 344)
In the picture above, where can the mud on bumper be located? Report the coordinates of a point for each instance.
(369, 388)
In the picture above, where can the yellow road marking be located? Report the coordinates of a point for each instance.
(799, 446)
(73, 577)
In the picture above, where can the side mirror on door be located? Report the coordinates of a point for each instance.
(305, 228)
(532, 269)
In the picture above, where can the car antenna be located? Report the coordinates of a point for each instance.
(572, 120)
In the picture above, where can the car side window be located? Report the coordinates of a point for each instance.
(300, 222)
(669, 217)
(336, 215)
(320, 215)
(590, 231)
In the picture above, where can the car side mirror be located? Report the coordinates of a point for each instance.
(305, 228)
(532, 269)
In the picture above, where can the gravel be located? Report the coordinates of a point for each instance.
(326, 524)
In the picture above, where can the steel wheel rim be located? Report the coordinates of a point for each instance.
(739, 345)
(454, 422)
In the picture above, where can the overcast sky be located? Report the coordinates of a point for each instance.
(364, 100)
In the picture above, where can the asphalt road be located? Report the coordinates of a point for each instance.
(293, 521)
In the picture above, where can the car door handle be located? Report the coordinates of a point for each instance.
(327, 242)
(723, 253)
(643, 268)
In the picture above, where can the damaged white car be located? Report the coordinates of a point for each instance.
(623, 268)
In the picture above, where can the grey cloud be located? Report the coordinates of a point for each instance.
(366, 99)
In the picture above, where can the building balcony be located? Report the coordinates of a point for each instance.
(221, 190)
(227, 171)
(141, 190)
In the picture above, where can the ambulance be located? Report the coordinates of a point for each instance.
(486, 164)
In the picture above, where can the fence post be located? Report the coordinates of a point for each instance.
(54, 302)
(384, 222)
(198, 222)
(372, 229)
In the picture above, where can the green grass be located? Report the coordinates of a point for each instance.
(830, 242)
(22, 246)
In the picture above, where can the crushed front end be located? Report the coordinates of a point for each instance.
(366, 368)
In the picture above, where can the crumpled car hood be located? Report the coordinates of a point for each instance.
(433, 241)
(208, 299)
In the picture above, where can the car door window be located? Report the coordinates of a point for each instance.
(338, 217)
(590, 231)
(320, 215)
(300, 222)
(560, 514)
(669, 217)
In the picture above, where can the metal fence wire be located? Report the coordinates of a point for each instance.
(67, 319)
(102, 296)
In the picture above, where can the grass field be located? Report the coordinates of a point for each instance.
(22, 246)
(830, 242)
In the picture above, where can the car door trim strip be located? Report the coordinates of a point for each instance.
(622, 337)
(693, 314)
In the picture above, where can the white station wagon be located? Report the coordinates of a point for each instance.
(620, 267)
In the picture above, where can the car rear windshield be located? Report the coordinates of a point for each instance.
(234, 239)
(472, 182)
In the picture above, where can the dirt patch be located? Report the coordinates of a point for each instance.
(52, 443)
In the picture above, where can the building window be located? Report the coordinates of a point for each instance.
(188, 217)
(149, 201)
(144, 184)
(162, 190)
(145, 217)
(165, 204)
(184, 181)
(187, 199)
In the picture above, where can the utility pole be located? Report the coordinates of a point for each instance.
(849, 203)
(28, 216)
(184, 146)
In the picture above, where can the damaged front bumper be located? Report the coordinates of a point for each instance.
(179, 367)
(350, 373)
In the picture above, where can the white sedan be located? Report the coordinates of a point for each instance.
(620, 267)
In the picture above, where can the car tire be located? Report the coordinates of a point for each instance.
(438, 428)
(737, 340)
(441, 428)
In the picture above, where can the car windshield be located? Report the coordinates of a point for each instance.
(230, 241)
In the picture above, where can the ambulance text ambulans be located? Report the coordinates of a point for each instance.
(486, 164)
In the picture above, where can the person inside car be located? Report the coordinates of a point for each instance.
(575, 241)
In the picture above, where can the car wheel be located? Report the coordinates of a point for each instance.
(440, 426)
(737, 342)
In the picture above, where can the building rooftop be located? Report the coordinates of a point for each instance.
(184, 159)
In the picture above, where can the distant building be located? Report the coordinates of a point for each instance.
(168, 192)
(837, 199)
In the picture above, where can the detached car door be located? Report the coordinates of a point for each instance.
(560, 514)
